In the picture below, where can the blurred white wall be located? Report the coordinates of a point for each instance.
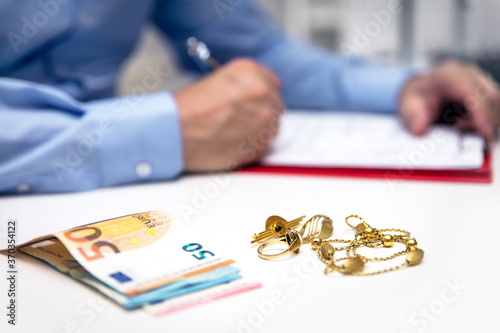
(438, 28)
(435, 25)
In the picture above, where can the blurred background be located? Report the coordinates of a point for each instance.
(422, 33)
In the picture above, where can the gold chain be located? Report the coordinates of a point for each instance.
(342, 248)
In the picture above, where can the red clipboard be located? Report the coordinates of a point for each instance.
(482, 175)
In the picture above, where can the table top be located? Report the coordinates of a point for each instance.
(455, 288)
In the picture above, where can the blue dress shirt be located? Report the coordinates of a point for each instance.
(62, 129)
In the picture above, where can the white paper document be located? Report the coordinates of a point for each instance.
(341, 139)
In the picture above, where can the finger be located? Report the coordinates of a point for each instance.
(465, 124)
(495, 109)
(277, 103)
(491, 93)
(418, 113)
(461, 86)
(487, 92)
(251, 69)
(480, 110)
(270, 77)
(276, 110)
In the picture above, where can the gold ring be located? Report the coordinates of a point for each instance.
(291, 237)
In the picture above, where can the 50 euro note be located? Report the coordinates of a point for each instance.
(137, 253)
(53, 252)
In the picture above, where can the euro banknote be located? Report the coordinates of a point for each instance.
(136, 253)
(53, 252)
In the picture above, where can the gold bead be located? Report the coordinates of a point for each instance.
(388, 240)
(414, 257)
(327, 251)
(316, 243)
(353, 266)
(412, 244)
(369, 232)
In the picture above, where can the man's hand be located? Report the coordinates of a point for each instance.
(423, 97)
(230, 117)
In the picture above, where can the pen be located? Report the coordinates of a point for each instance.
(200, 53)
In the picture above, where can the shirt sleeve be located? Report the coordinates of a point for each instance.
(312, 78)
(50, 142)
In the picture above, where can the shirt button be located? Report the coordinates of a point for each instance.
(143, 170)
(23, 188)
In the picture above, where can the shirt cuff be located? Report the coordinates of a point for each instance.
(138, 138)
(375, 88)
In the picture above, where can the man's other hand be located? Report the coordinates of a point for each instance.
(423, 97)
(230, 117)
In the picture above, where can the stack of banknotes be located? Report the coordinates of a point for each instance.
(142, 260)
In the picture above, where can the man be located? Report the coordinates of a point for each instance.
(61, 129)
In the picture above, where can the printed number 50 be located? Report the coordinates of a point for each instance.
(195, 247)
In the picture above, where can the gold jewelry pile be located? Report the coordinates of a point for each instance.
(318, 229)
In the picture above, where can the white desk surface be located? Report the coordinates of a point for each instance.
(455, 223)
